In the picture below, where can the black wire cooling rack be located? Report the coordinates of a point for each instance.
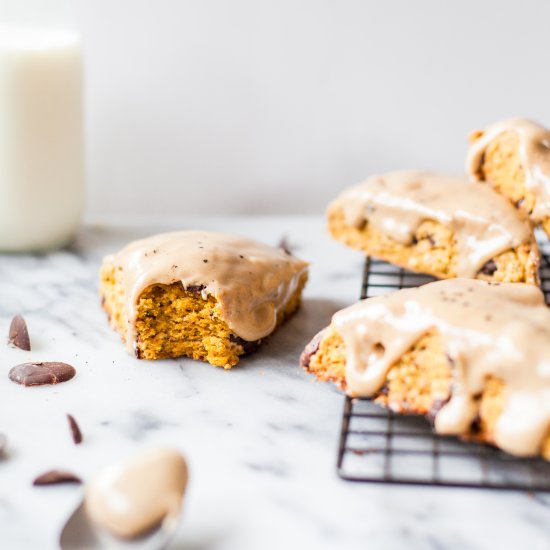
(379, 446)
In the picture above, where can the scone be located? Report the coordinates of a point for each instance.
(200, 294)
(471, 355)
(440, 225)
(514, 156)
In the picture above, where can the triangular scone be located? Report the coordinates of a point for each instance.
(435, 224)
(200, 294)
(514, 155)
(471, 355)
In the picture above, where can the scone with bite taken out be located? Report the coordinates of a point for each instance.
(440, 225)
(200, 294)
(471, 355)
(513, 155)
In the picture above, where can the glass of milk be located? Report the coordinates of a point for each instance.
(41, 138)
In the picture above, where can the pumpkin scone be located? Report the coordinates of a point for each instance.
(471, 355)
(440, 225)
(514, 156)
(200, 294)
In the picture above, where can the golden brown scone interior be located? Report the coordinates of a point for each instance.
(434, 251)
(420, 382)
(173, 321)
(501, 165)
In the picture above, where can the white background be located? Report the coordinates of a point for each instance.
(251, 106)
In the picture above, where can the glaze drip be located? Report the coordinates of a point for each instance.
(483, 222)
(251, 281)
(534, 153)
(488, 329)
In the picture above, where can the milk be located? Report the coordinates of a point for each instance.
(41, 143)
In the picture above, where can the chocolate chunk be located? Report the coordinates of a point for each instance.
(38, 374)
(19, 334)
(3, 444)
(75, 429)
(311, 349)
(362, 225)
(489, 268)
(195, 289)
(475, 426)
(284, 246)
(248, 347)
(55, 477)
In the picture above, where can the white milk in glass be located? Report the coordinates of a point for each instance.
(41, 142)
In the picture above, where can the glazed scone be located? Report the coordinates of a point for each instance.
(443, 226)
(471, 355)
(200, 294)
(514, 156)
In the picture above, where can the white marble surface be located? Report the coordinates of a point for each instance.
(260, 439)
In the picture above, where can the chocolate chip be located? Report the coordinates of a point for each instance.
(55, 477)
(284, 246)
(75, 429)
(39, 374)
(248, 347)
(362, 225)
(195, 289)
(311, 349)
(475, 426)
(19, 334)
(489, 268)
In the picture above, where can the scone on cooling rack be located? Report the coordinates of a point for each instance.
(514, 156)
(200, 294)
(471, 355)
(435, 224)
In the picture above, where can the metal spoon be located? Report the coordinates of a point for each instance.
(79, 533)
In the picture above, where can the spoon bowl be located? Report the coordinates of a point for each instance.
(80, 533)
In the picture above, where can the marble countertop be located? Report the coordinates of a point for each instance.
(260, 439)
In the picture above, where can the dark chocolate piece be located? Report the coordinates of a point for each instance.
(248, 347)
(311, 349)
(75, 429)
(284, 246)
(3, 444)
(195, 289)
(19, 334)
(39, 374)
(55, 477)
(489, 268)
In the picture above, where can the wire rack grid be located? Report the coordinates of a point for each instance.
(379, 446)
